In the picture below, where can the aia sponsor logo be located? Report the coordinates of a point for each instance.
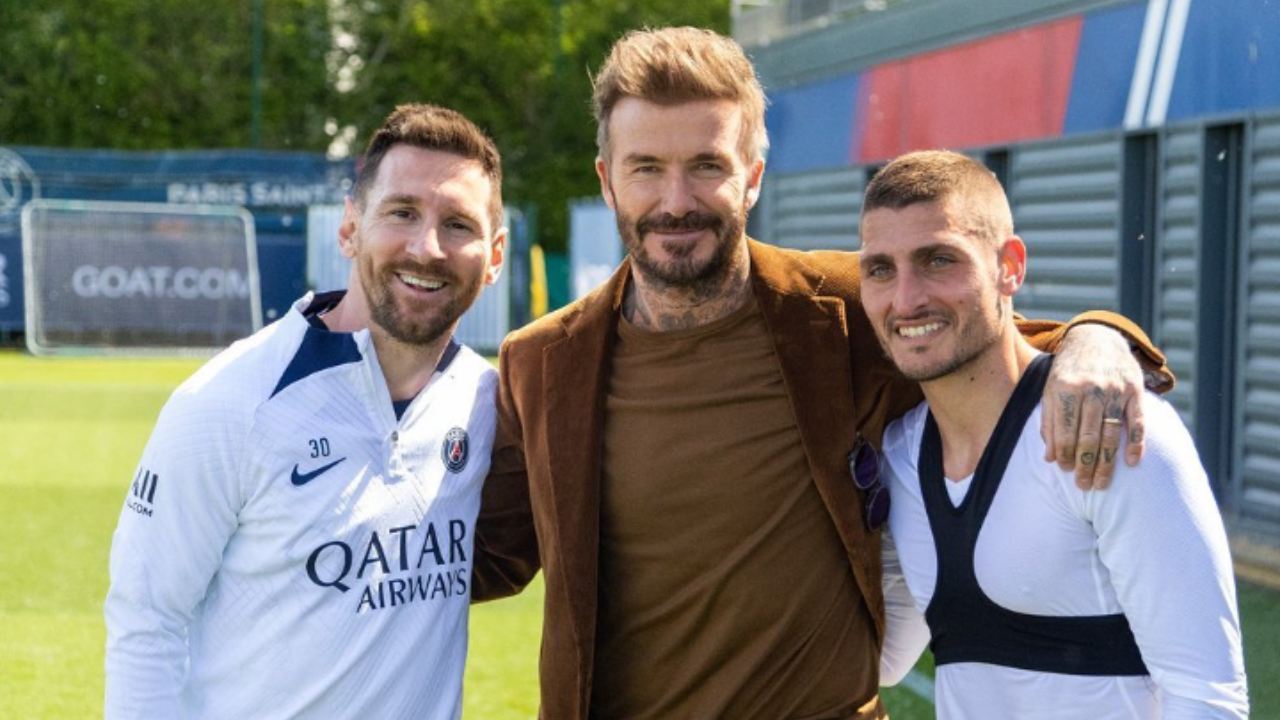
(142, 493)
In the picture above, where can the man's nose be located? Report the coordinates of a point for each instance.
(426, 245)
(909, 293)
(677, 195)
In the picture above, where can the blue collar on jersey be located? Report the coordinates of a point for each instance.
(322, 348)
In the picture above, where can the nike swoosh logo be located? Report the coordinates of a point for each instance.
(301, 479)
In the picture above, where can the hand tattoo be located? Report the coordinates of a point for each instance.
(1114, 408)
(1068, 402)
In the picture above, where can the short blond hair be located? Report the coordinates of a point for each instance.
(668, 66)
(942, 176)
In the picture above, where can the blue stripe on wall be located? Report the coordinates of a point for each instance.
(810, 127)
(1104, 68)
(1230, 59)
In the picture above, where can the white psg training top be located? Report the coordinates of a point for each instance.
(1152, 547)
(289, 549)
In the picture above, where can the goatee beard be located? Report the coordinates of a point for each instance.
(976, 338)
(682, 271)
(387, 315)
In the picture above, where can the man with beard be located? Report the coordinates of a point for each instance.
(673, 448)
(297, 542)
(1042, 601)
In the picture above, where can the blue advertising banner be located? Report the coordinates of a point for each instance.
(275, 187)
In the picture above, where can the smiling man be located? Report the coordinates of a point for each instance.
(673, 448)
(1043, 601)
(297, 542)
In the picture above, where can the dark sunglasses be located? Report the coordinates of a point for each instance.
(864, 467)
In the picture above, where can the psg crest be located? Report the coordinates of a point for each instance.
(454, 451)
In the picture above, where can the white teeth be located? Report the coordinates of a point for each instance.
(419, 282)
(921, 331)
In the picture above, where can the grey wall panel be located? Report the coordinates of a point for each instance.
(1175, 276)
(1257, 409)
(814, 210)
(1066, 206)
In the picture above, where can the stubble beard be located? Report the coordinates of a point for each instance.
(387, 314)
(978, 336)
(683, 271)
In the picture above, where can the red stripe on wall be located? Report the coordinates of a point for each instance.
(1006, 88)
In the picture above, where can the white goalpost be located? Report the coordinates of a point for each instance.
(138, 278)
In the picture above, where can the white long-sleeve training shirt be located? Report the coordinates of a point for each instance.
(289, 549)
(1152, 546)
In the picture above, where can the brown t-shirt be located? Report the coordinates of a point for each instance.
(725, 591)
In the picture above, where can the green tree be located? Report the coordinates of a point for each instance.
(519, 68)
(164, 74)
(158, 74)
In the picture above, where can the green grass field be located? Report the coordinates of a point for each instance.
(71, 432)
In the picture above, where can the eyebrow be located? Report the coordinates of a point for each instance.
(646, 159)
(917, 254)
(866, 259)
(928, 250)
(640, 159)
(452, 207)
(400, 199)
(716, 156)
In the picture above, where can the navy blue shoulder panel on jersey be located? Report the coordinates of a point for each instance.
(320, 350)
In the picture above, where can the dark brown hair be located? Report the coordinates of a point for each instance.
(943, 176)
(433, 128)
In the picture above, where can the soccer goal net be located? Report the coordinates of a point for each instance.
(137, 278)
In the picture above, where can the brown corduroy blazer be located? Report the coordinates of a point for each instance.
(541, 506)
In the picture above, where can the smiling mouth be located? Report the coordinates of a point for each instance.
(420, 283)
(678, 235)
(919, 330)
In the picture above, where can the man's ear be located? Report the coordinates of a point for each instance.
(1013, 265)
(755, 176)
(497, 256)
(347, 229)
(602, 172)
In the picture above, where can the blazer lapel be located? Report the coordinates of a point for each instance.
(810, 338)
